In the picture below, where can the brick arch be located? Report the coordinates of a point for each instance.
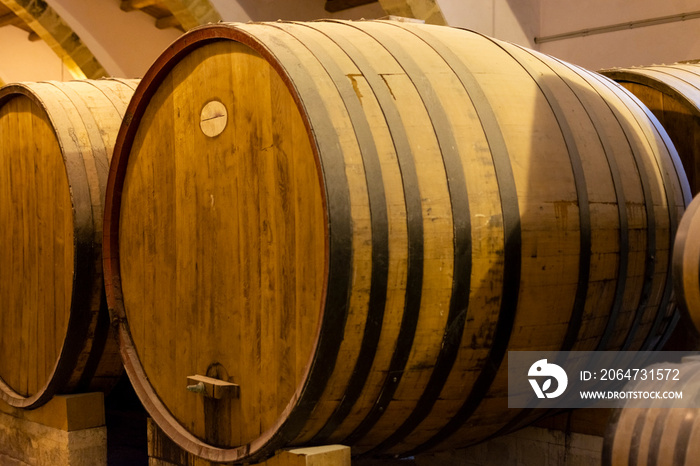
(191, 13)
(426, 10)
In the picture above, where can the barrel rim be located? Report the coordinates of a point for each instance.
(85, 254)
(637, 76)
(656, 338)
(300, 404)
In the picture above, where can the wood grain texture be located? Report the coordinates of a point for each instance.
(54, 159)
(230, 241)
(461, 197)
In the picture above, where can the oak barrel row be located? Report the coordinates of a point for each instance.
(334, 232)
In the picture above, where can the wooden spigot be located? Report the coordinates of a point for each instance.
(212, 388)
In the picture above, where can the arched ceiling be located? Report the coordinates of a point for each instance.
(91, 39)
(43, 22)
(23, 55)
(68, 39)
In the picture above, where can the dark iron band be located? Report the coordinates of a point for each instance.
(574, 324)
(380, 230)
(609, 439)
(656, 435)
(340, 234)
(635, 439)
(650, 243)
(509, 207)
(462, 241)
(512, 260)
(414, 226)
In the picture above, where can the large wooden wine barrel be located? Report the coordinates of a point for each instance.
(672, 93)
(686, 262)
(641, 433)
(56, 141)
(346, 225)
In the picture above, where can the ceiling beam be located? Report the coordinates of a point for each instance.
(167, 22)
(333, 6)
(185, 14)
(192, 13)
(10, 19)
(427, 10)
(130, 5)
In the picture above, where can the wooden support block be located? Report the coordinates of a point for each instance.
(65, 412)
(327, 455)
(68, 431)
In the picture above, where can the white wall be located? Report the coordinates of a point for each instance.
(126, 44)
(520, 21)
(665, 43)
(512, 20)
(22, 60)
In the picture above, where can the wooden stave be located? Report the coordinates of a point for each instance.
(111, 263)
(89, 358)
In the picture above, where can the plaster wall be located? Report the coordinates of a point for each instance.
(664, 43)
(512, 20)
(22, 60)
(521, 21)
